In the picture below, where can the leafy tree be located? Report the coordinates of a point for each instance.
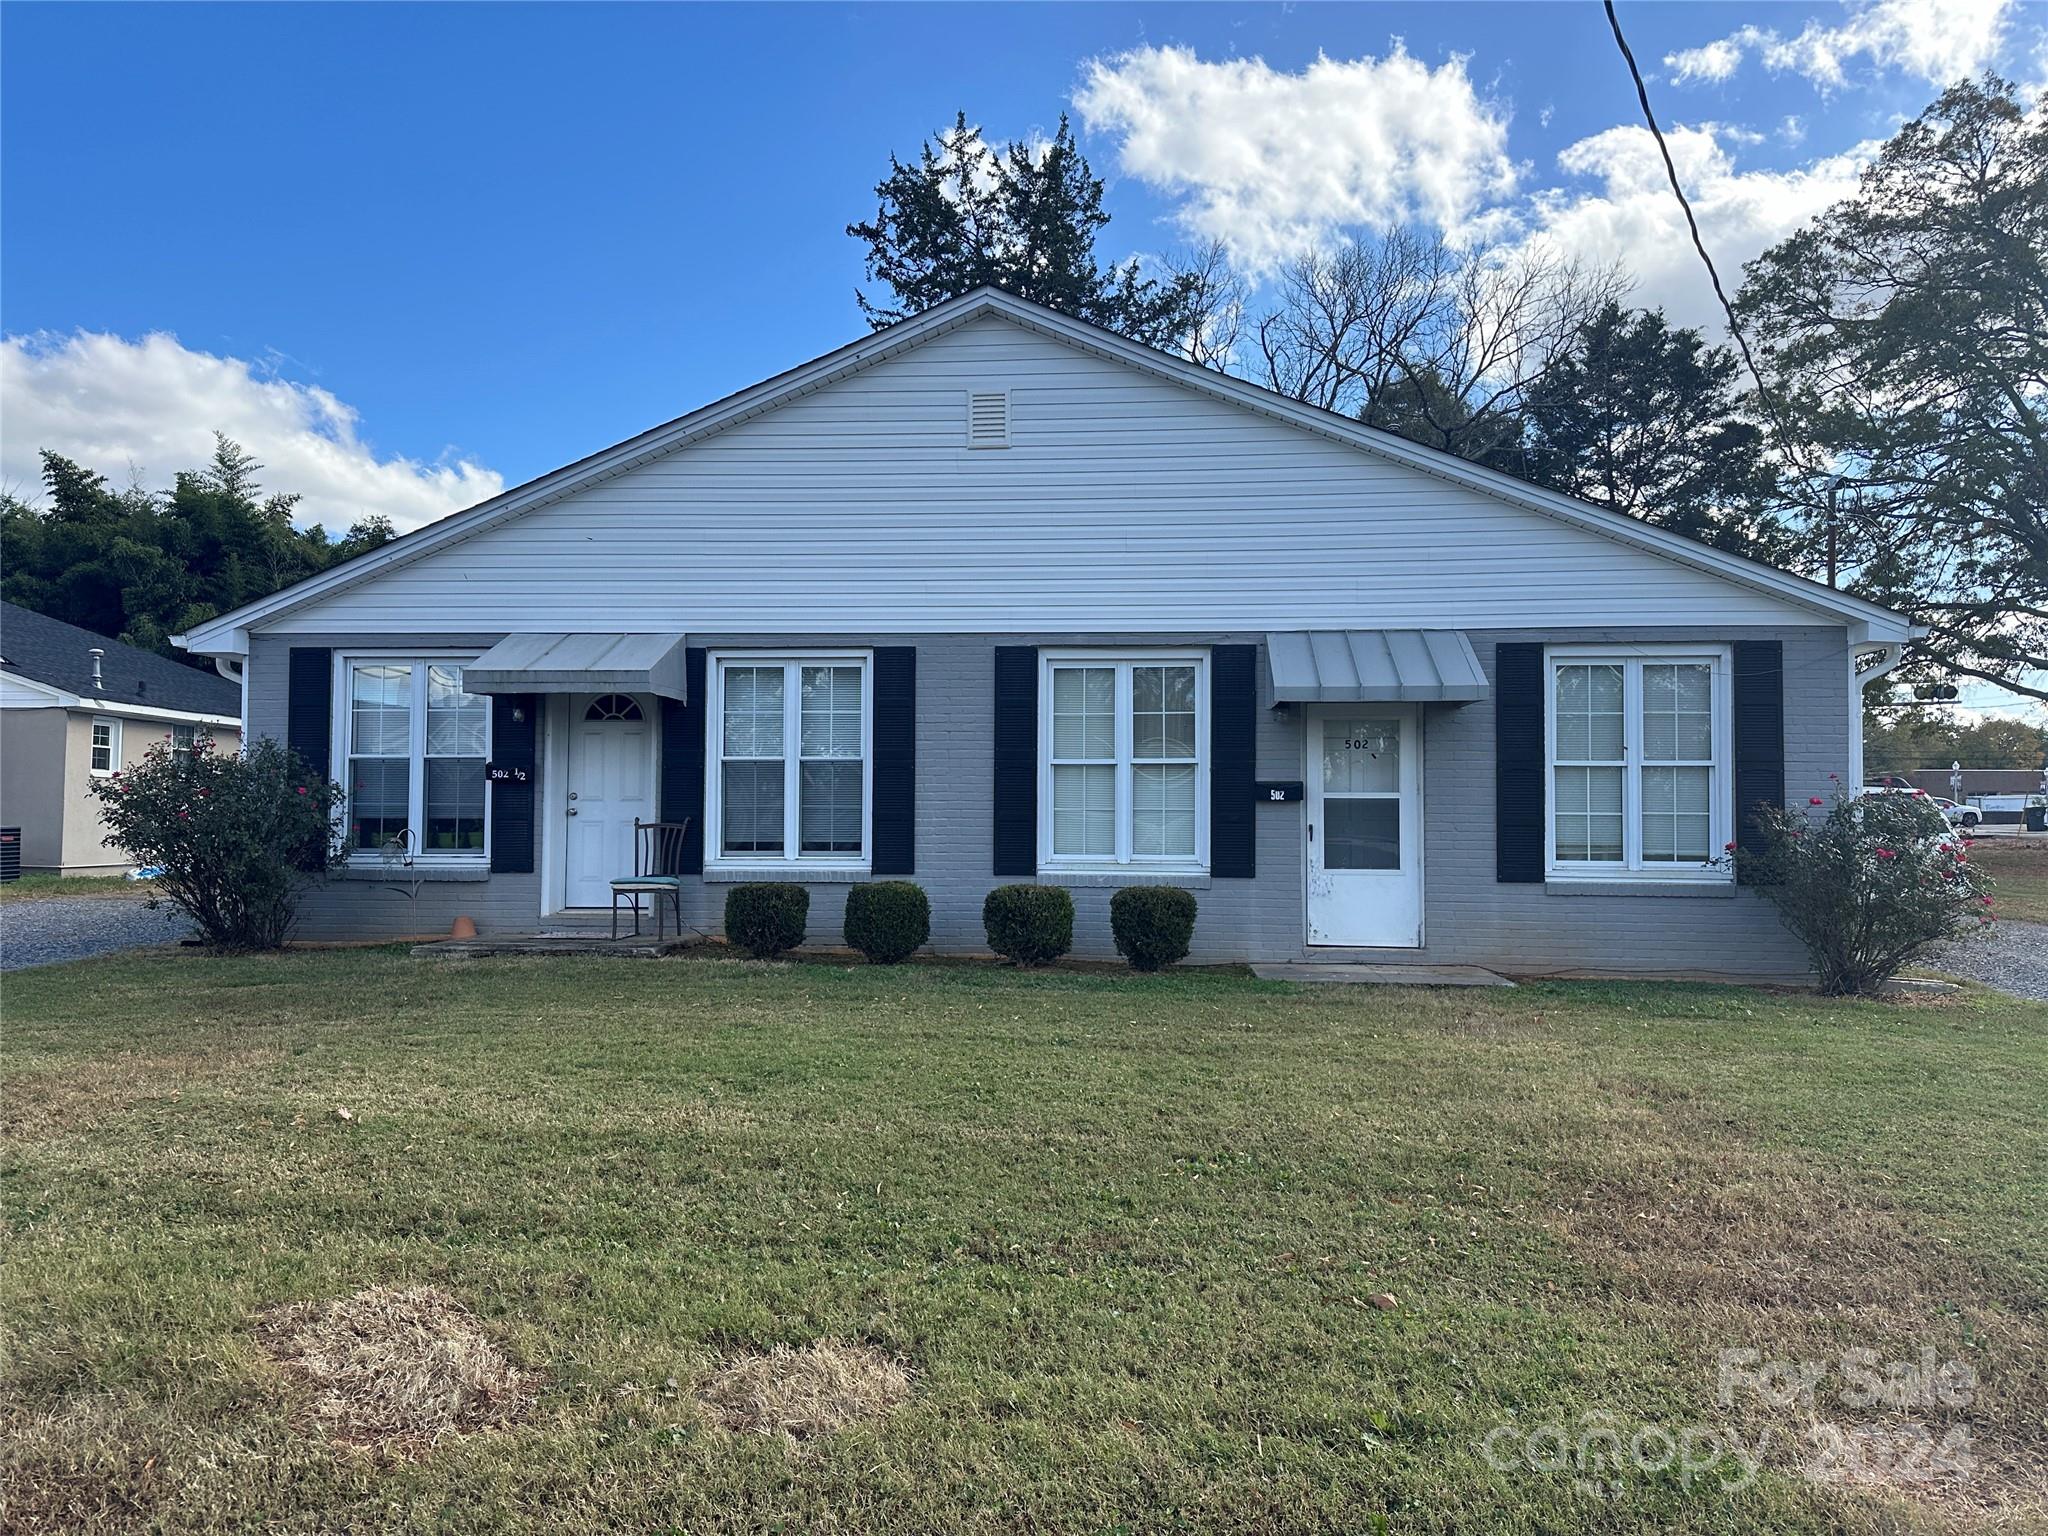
(143, 567)
(1439, 344)
(1897, 741)
(1645, 419)
(1906, 335)
(966, 214)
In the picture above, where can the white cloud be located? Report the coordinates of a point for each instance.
(1274, 164)
(108, 402)
(1630, 216)
(1713, 62)
(1939, 41)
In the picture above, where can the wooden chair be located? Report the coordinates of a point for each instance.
(657, 872)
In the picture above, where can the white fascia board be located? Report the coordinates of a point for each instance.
(146, 712)
(228, 634)
(55, 697)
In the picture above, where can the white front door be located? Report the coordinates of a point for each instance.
(1364, 827)
(610, 782)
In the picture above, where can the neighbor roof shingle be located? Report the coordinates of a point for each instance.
(48, 650)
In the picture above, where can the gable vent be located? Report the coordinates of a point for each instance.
(988, 419)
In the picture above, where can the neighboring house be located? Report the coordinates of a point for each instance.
(75, 706)
(994, 595)
(1976, 781)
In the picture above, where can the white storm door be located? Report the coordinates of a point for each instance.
(610, 782)
(1364, 827)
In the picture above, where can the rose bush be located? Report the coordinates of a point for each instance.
(1866, 883)
(235, 839)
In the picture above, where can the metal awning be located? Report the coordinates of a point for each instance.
(581, 664)
(1379, 666)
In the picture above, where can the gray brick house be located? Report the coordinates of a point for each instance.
(994, 596)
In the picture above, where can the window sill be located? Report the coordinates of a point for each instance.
(1638, 885)
(1111, 879)
(398, 874)
(785, 874)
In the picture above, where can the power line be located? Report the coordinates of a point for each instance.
(1777, 416)
(1691, 223)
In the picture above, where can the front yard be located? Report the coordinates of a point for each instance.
(2020, 866)
(1180, 1253)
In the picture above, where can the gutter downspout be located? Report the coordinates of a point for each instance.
(237, 672)
(1892, 653)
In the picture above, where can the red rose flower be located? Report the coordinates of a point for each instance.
(1813, 800)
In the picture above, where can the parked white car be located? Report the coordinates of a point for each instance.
(1964, 816)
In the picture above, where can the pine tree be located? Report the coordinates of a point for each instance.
(1022, 218)
(1646, 419)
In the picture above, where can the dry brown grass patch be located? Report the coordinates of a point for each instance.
(71, 1095)
(85, 1462)
(1730, 1244)
(396, 1370)
(804, 1393)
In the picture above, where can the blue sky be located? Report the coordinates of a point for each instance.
(415, 253)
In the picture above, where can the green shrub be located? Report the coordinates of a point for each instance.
(888, 920)
(1152, 925)
(1867, 884)
(766, 920)
(1030, 924)
(235, 838)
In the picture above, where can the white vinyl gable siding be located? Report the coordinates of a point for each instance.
(1123, 501)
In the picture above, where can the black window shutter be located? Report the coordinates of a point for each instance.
(1519, 768)
(1759, 722)
(895, 791)
(513, 746)
(682, 760)
(309, 707)
(1233, 760)
(1016, 754)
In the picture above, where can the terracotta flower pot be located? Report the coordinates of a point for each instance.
(465, 928)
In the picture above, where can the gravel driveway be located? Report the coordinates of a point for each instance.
(76, 927)
(2012, 957)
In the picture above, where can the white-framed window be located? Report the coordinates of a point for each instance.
(789, 749)
(1641, 780)
(412, 747)
(1123, 745)
(183, 739)
(106, 745)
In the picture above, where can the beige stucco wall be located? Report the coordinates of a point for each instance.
(45, 765)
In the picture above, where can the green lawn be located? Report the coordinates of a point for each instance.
(1123, 1230)
(44, 887)
(2020, 867)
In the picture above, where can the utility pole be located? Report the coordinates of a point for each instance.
(1834, 538)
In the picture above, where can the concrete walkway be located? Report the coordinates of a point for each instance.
(1382, 975)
